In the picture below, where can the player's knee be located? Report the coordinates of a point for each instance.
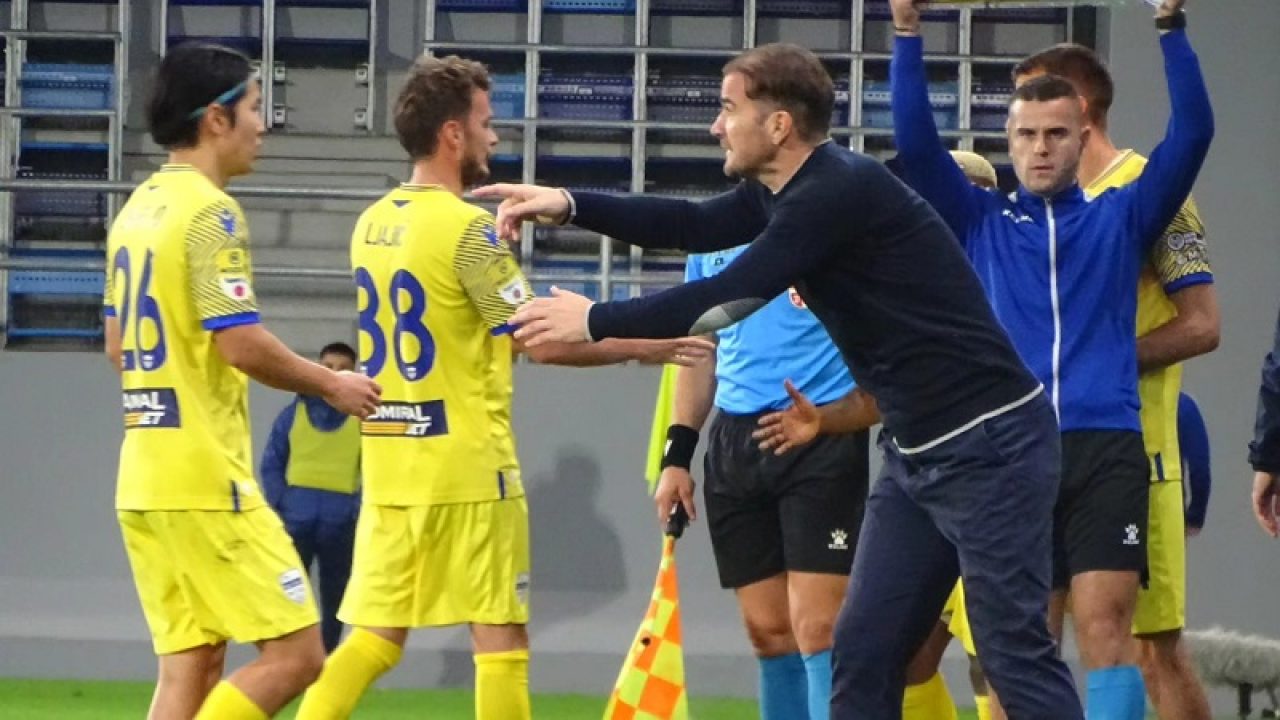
(813, 634)
(771, 637)
(303, 667)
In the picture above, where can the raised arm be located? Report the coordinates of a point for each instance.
(1168, 178)
(930, 170)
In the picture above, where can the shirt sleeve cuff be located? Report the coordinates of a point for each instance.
(109, 310)
(230, 321)
(503, 329)
(1186, 281)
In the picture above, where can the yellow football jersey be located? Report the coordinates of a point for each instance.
(178, 269)
(1178, 259)
(436, 289)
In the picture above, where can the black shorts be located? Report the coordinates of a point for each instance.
(1100, 520)
(800, 511)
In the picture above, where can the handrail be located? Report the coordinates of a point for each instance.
(61, 35)
(124, 188)
(289, 271)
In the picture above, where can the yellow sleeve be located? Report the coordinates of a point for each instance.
(490, 274)
(108, 286)
(1180, 257)
(220, 270)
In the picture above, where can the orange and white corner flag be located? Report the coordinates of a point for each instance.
(651, 684)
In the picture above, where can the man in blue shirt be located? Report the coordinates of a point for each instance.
(1062, 274)
(1264, 450)
(1193, 439)
(783, 528)
(311, 476)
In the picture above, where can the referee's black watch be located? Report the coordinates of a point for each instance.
(1176, 21)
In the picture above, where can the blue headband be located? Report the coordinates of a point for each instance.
(225, 98)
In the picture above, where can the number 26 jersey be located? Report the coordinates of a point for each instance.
(436, 287)
(178, 269)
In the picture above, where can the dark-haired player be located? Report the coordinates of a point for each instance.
(210, 560)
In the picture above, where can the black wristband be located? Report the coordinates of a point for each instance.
(682, 440)
(1176, 21)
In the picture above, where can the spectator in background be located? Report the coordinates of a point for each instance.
(1193, 439)
(311, 477)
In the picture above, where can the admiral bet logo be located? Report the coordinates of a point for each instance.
(402, 419)
(150, 408)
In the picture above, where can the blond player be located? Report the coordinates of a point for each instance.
(442, 537)
(210, 560)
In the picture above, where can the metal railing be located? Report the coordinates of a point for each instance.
(606, 277)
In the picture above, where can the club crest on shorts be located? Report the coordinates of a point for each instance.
(522, 588)
(839, 540)
(295, 588)
(1131, 534)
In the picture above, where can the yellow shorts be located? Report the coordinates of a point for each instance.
(205, 577)
(433, 565)
(957, 619)
(1162, 605)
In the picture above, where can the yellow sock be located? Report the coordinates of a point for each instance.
(983, 703)
(928, 701)
(502, 685)
(228, 702)
(347, 674)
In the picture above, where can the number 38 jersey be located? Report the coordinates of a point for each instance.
(178, 268)
(436, 287)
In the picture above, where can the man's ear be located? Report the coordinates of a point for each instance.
(779, 125)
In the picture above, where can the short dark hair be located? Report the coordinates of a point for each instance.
(339, 348)
(1082, 67)
(794, 79)
(1043, 89)
(190, 77)
(437, 90)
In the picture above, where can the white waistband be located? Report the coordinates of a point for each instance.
(971, 424)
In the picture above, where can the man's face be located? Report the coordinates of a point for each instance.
(240, 143)
(338, 362)
(1045, 142)
(479, 140)
(741, 129)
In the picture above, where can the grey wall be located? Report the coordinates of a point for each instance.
(66, 605)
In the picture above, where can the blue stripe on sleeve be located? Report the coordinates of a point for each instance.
(1186, 281)
(230, 321)
(503, 329)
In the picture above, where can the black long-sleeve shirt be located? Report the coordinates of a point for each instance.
(1264, 451)
(872, 260)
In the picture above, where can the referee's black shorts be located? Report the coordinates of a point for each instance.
(796, 512)
(1100, 519)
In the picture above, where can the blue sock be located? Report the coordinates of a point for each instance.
(783, 688)
(1116, 693)
(818, 667)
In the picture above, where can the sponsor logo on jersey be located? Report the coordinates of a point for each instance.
(402, 419)
(150, 408)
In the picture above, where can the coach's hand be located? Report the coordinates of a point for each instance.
(559, 318)
(353, 394)
(1170, 7)
(788, 429)
(549, 206)
(1266, 496)
(675, 487)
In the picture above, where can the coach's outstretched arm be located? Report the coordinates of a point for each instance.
(805, 231)
(727, 220)
(930, 169)
(1169, 176)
